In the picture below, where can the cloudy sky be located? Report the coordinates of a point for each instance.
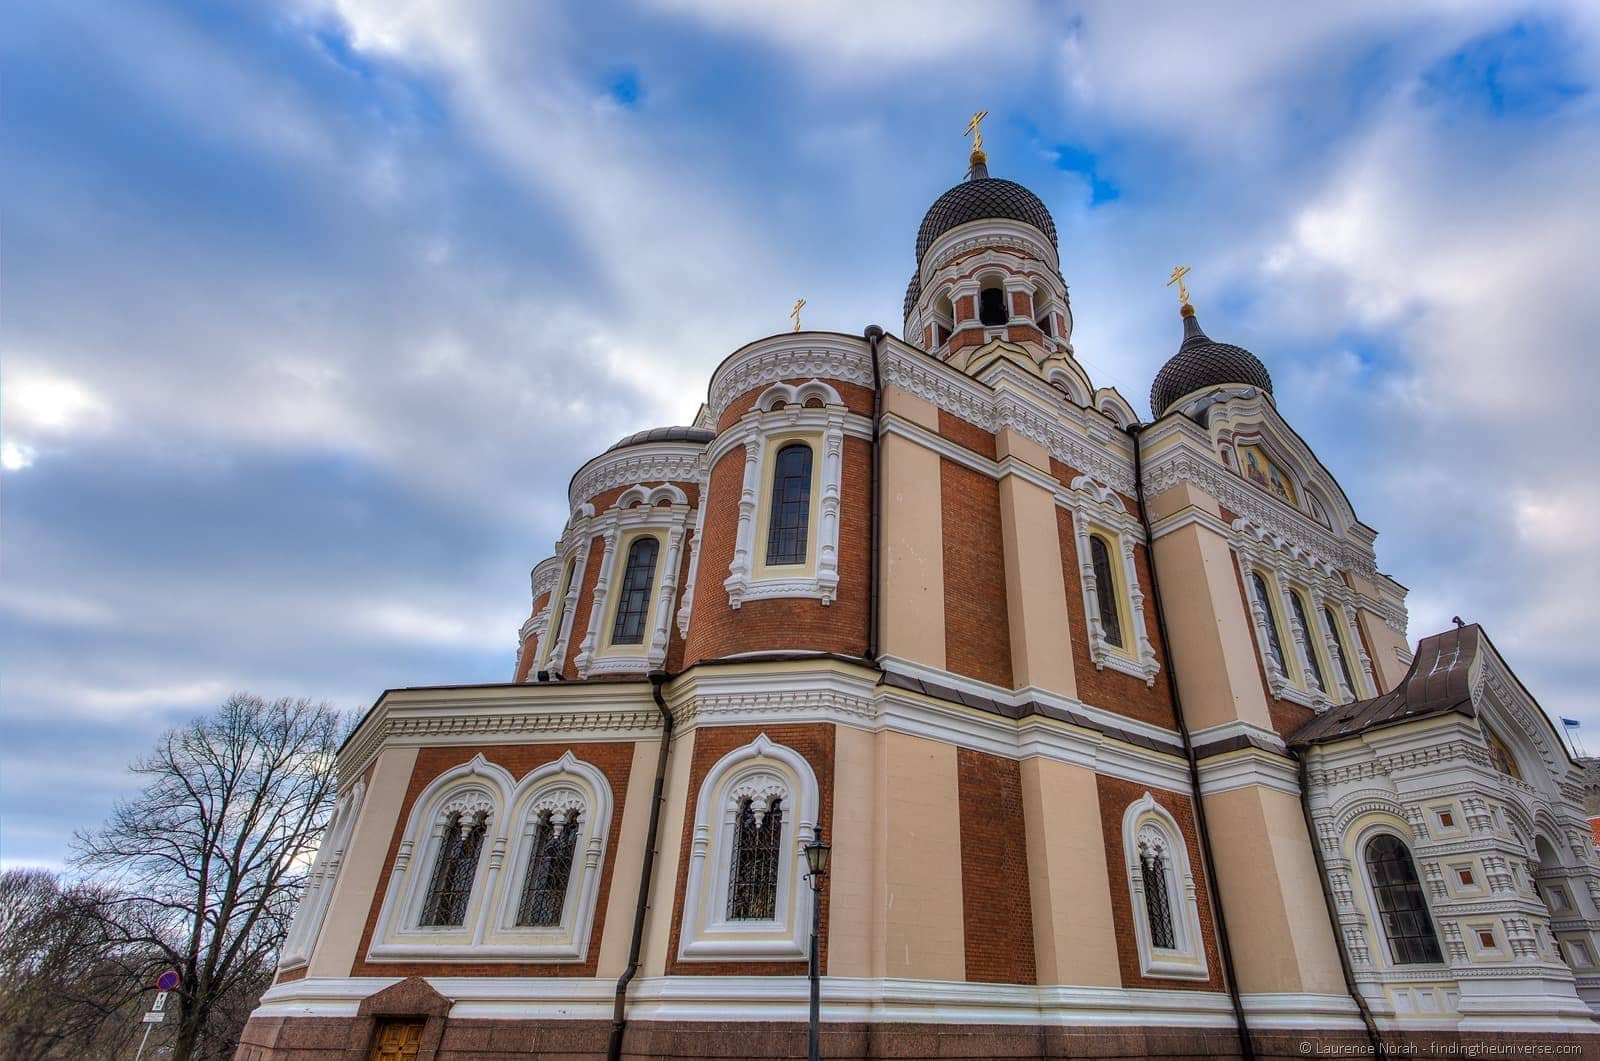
(311, 308)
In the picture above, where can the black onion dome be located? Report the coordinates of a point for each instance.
(913, 292)
(978, 198)
(666, 434)
(1203, 362)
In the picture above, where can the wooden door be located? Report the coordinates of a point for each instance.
(397, 1039)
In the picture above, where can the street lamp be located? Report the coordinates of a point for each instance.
(817, 852)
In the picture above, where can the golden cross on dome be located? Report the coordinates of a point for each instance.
(795, 313)
(1177, 276)
(977, 134)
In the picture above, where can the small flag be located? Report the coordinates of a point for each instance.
(1570, 723)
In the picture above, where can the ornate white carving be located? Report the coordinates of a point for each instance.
(1148, 827)
(651, 462)
(789, 356)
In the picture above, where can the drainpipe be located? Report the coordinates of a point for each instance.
(873, 335)
(619, 1019)
(1246, 1047)
(1373, 1035)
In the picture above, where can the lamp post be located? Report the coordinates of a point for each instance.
(817, 852)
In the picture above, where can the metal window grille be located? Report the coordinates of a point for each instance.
(451, 885)
(791, 505)
(1157, 901)
(1105, 591)
(1311, 648)
(757, 838)
(1401, 905)
(1344, 664)
(1274, 643)
(633, 606)
(544, 891)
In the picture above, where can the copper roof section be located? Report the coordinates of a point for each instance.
(1435, 685)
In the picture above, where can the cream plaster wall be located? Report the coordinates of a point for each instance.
(1384, 641)
(1074, 935)
(917, 885)
(627, 858)
(658, 921)
(911, 604)
(852, 914)
(346, 919)
(1214, 657)
(1036, 592)
(1183, 496)
(1267, 877)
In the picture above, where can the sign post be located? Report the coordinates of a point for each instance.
(158, 1008)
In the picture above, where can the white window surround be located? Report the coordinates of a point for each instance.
(663, 508)
(1381, 950)
(760, 769)
(1098, 510)
(307, 924)
(1146, 823)
(489, 930)
(779, 415)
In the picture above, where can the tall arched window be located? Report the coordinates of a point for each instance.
(1299, 606)
(992, 306)
(1401, 906)
(558, 607)
(544, 890)
(791, 505)
(1274, 642)
(1154, 867)
(1344, 664)
(757, 836)
(1105, 591)
(454, 870)
(633, 604)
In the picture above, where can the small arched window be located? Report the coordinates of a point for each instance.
(1105, 591)
(791, 505)
(992, 306)
(558, 607)
(633, 605)
(1274, 642)
(454, 870)
(1332, 626)
(544, 890)
(1298, 603)
(1401, 906)
(757, 836)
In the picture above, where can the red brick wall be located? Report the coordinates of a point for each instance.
(801, 623)
(612, 758)
(814, 741)
(1021, 304)
(1115, 795)
(965, 434)
(1112, 689)
(606, 498)
(857, 399)
(997, 911)
(977, 631)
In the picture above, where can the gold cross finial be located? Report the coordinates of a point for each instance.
(977, 135)
(795, 313)
(1178, 273)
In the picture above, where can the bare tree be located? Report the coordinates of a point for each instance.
(209, 860)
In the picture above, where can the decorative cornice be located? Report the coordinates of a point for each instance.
(798, 355)
(649, 463)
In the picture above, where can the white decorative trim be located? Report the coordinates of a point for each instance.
(644, 463)
(1249, 768)
(763, 770)
(661, 511)
(1147, 826)
(321, 880)
(789, 355)
(1105, 514)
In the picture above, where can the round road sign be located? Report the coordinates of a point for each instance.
(168, 980)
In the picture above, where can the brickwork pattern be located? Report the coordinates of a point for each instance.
(1115, 796)
(997, 910)
(966, 435)
(857, 399)
(612, 758)
(815, 742)
(977, 629)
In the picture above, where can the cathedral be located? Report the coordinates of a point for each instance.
(1057, 732)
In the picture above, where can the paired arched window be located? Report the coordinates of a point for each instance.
(544, 887)
(1401, 906)
(992, 306)
(757, 853)
(455, 868)
(791, 505)
(1299, 605)
(1338, 644)
(633, 602)
(1263, 598)
(1105, 591)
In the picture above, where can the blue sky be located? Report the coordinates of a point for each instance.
(312, 308)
